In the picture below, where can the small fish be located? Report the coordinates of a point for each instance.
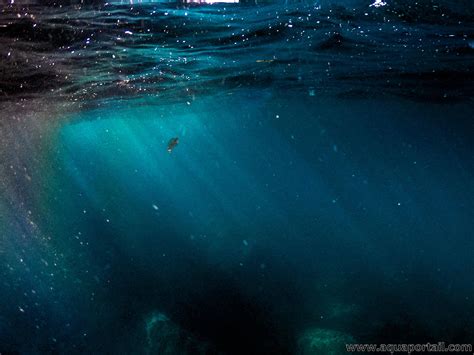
(265, 60)
(172, 144)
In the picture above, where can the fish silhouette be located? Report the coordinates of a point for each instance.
(172, 144)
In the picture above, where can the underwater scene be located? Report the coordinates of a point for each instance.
(262, 177)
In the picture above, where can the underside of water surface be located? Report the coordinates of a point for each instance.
(235, 178)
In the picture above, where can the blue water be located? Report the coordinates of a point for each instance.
(322, 187)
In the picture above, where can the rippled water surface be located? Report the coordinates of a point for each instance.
(320, 194)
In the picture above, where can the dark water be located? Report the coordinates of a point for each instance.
(321, 192)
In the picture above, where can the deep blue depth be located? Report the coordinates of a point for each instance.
(322, 188)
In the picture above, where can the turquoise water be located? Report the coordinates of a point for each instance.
(320, 193)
